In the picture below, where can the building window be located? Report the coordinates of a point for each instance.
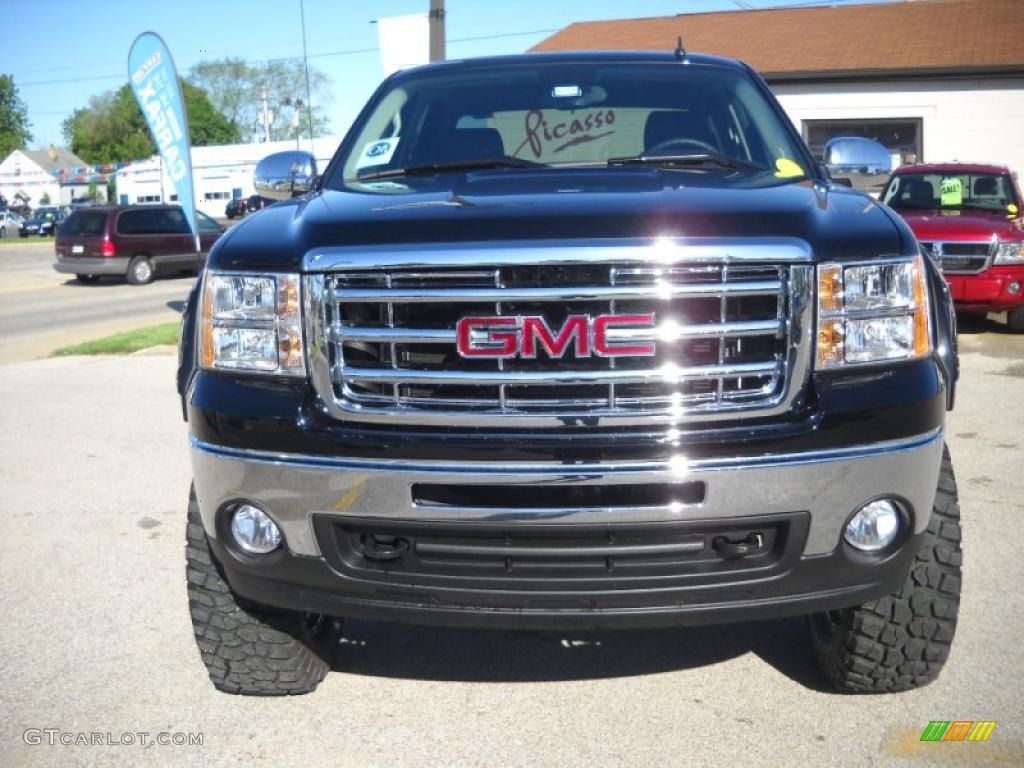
(216, 196)
(148, 199)
(901, 136)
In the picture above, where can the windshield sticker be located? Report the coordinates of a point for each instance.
(952, 192)
(377, 152)
(566, 92)
(787, 169)
(1012, 209)
(543, 135)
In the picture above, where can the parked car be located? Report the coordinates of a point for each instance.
(10, 223)
(135, 241)
(971, 219)
(235, 207)
(42, 222)
(257, 202)
(570, 341)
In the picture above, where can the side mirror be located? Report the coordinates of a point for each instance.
(285, 175)
(857, 162)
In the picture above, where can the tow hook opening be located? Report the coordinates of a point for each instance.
(383, 548)
(731, 548)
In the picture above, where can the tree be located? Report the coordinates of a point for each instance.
(44, 199)
(111, 127)
(236, 89)
(14, 133)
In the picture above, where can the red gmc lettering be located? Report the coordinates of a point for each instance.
(503, 337)
(605, 348)
(497, 344)
(536, 329)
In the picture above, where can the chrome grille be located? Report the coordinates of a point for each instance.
(727, 336)
(965, 258)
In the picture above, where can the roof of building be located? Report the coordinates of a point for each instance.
(925, 36)
(54, 157)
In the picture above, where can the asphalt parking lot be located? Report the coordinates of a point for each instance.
(95, 635)
(42, 310)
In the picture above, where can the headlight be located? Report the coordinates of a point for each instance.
(872, 312)
(1010, 253)
(251, 323)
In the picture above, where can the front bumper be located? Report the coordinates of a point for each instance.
(811, 493)
(115, 265)
(988, 291)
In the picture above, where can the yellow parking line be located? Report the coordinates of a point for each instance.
(27, 287)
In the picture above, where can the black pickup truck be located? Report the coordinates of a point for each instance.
(582, 341)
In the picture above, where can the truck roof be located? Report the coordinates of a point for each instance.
(952, 168)
(594, 57)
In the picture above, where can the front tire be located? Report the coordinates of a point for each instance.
(140, 270)
(1015, 319)
(251, 649)
(900, 641)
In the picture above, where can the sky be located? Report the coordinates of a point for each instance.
(61, 52)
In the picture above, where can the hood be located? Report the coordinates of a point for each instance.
(963, 225)
(619, 203)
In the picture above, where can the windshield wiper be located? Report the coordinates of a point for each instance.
(688, 161)
(981, 207)
(460, 165)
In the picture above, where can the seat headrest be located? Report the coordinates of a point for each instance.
(471, 144)
(919, 191)
(986, 185)
(665, 125)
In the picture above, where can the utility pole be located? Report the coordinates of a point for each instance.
(266, 115)
(437, 30)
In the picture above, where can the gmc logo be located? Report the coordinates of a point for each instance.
(500, 337)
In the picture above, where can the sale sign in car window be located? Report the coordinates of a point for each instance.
(951, 191)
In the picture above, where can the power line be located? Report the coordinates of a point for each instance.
(323, 55)
(504, 34)
(73, 80)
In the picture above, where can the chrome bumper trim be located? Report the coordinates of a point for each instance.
(829, 484)
(553, 470)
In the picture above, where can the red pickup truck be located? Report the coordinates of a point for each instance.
(970, 218)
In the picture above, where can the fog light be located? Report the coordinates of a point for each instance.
(254, 530)
(1013, 287)
(874, 527)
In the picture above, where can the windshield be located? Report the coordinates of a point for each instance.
(950, 191)
(573, 115)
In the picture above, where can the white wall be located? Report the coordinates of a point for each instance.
(976, 120)
(216, 173)
(19, 173)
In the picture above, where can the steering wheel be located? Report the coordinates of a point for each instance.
(660, 147)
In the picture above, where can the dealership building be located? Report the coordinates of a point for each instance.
(220, 173)
(57, 176)
(933, 80)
